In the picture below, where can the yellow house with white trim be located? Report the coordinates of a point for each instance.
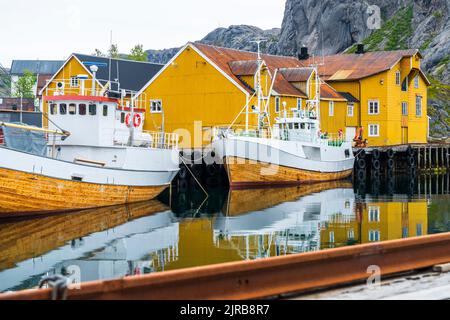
(204, 87)
(391, 90)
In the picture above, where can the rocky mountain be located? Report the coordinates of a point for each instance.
(333, 26)
(5, 82)
(238, 37)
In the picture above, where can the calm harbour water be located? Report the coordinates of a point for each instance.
(181, 230)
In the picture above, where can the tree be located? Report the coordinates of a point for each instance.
(25, 85)
(98, 53)
(138, 53)
(114, 51)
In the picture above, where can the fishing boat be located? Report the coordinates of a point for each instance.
(102, 157)
(292, 151)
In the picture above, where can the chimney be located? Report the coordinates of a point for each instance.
(360, 48)
(304, 55)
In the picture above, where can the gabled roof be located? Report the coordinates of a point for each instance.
(328, 93)
(18, 67)
(341, 67)
(297, 74)
(131, 75)
(244, 63)
(244, 68)
(349, 97)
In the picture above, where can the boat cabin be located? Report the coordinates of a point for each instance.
(97, 121)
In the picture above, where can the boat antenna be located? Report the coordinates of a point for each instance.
(258, 88)
(110, 54)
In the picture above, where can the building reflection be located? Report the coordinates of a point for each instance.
(187, 230)
(104, 243)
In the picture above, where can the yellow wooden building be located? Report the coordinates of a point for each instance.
(204, 87)
(113, 77)
(377, 222)
(391, 93)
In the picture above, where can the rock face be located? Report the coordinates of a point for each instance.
(237, 37)
(332, 26)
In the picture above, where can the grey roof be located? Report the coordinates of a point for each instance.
(348, 96)
(18, 67)
(131, 75)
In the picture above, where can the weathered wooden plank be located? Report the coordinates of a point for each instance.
(23, 192)
(244, 173)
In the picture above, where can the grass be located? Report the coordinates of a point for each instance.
(393, 35)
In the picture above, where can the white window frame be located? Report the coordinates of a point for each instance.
(351, 234)
(350, 107)
(398, 78)
(374, 236)
(375, 103)
(332, 237)
(406, 85)
(419, 107)
(155, 110)
(405, 108)
(277, 105)
(416, 82)
(374, 125)
(374, 214)
(331, 109)
(299, 104)
(74, 82)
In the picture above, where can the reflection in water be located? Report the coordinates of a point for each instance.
(185, 229)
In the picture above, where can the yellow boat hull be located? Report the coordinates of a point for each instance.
(24, 193)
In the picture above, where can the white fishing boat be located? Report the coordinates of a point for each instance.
(293, 150)
(102, 157)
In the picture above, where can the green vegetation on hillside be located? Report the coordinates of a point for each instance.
(393, 35)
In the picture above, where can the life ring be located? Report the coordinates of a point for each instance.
(137, 120)
(128, 119)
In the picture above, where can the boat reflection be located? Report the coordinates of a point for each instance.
(277, 222)
(187, 229)
(100, 242)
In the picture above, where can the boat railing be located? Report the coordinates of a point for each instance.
(153, 139)
(243, 131)
(332, 139)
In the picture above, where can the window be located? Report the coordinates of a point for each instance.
(351, 234)
(331, 109)
(405, 85)
(74, 82)
(122, 117)
(53, 108)
(299, 104)
(419, 230)
(105, 110)
(92, 109)
(374, 130)
(277, 104)
(374, 107)
(82, 109)
(416, 82)
(296, 126)
(374, 236)
(397, 78)
(405, 232)
(374, 214)
(332, 240)
(72, 108)
(63, 108)
(418, 106)
(404, 108)
(302, 126)
(350, 109)
(156, 106)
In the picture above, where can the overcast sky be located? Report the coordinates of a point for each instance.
(53, 29)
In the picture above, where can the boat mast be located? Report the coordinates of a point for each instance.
(258, 85)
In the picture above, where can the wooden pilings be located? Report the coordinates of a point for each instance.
(433, 157)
